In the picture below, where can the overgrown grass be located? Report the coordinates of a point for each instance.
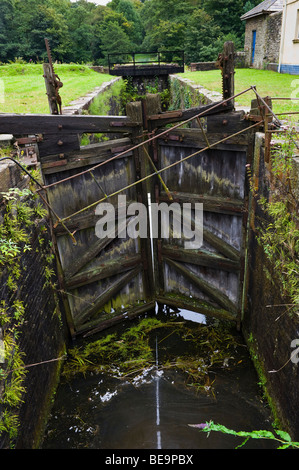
(25, 91)
(267, 83)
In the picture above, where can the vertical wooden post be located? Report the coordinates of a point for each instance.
(135, 113)
(228, 70)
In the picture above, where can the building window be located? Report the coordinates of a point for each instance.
(297, 26)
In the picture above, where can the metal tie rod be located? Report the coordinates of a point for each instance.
(150, 139)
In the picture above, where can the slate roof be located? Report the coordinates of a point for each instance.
(266, 7)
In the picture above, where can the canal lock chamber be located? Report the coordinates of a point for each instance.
(92, 407)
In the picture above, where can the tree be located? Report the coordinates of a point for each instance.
(133, 21)
(202, 38)
(111, 31)
(166, 35)
(81, 32)
(8, 46)
(227, 13)
(36, 20)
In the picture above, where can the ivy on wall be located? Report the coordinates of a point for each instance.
(21, 213)
(279, 233)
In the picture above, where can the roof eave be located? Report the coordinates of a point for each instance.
(263, 12)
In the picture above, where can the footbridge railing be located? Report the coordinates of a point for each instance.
(146, 63)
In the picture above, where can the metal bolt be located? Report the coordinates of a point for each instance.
(61, 155)
(60, 143)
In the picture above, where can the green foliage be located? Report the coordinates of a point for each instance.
(283, 438)
(279, 236)
(84, 32)
(19, 212)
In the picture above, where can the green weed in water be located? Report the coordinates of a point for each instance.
(129, 353)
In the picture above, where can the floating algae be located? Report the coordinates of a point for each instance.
(132, 353)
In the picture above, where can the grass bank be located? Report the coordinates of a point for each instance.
(267, 83)
(25, 91)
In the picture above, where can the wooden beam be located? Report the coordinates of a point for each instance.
(164, 118)
(194, 138)
(221, 299)
(210, 203)
(80, 222)
(228, 70)
(105, 296)
(229, 123)
(221, 246)
(59, 143)
(113, 318)
(101, 271)
(200, 258)
(87, 155)
(76, 124)
(195, 305)
(91, 252)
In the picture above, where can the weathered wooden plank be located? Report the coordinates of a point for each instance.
(94, 150)
(213, 172)
(200, 258)
(210, 203)
(105, 296)
(91, 252)
(228, 69)
(137, 112)
(221, 299)
(60, 143)
(110, 319)
(79, 222)
(194, 138)
(221, 246)
(209, 109)
(229, 124)
(50, 124)
(194, 305)
(88, 155)
(102, 271)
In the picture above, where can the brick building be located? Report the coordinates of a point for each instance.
(263, 34)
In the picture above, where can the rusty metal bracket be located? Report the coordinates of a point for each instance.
(53, 84)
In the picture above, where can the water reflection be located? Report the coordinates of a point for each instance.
(153, 411)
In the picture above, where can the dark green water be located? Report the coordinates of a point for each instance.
(153, 412)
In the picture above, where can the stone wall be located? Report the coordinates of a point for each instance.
(268, 33)
(202, 66)
(267, 324)
(186, 94)
(42, 335)
(240, 62)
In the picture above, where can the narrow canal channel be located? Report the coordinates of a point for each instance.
(194, 369)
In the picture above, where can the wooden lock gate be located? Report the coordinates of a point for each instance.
(109, 279)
